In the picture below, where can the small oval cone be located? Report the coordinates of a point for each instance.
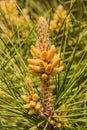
(35, 97)
(44, 76)
(52, 122)
(59, 125)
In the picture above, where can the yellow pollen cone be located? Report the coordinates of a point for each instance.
(35, 52)
(63, 120)
(32, 103)
(44, 76)
(52, 122)
(34, 73)
(51, 53)
(48, 68)
(35, 68)
(43, 55)
(55, 61)
(65, 125)
(25, 98)
(59, 125)
(31, 112)
(26, 105)
(57, 70)
(34, 61)
(43, 64)
(35, 97)
(38, 106)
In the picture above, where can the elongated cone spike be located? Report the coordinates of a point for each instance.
(48, 69)
(34, 61)
(51, 53)
(35, 68)
(26, 105)
(43, 55)
(57, 70)
(42, 27)
(55, 61)
(35, 52)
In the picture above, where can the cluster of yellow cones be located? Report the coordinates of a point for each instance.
(32, 103)
(45, 63)
(58, 119)
(60, 20)
(14, 19)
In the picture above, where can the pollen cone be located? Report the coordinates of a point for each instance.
(43, 55)
(55, 61)
(57, 70)
(51, 53)
(35, 52)
(34, 61)
(35, 68)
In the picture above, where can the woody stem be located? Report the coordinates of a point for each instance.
(47, 98)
